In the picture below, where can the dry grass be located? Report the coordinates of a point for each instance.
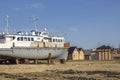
(72, 70)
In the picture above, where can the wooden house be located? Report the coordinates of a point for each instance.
(88, 54)
(104, 52)
(91, 54)
(81, 55)
(75, 53)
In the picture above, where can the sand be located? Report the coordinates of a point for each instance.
(71, 70)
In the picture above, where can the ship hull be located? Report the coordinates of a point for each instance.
(33, 53)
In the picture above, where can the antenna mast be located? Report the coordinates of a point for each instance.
(35, 22)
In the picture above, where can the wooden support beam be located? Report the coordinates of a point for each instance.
(17, 61)
(36, 61)
(62, 61)
(50, 58)
(26, 61)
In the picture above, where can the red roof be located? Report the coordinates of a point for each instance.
(116, 52)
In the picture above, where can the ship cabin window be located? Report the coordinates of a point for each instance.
(32, 39)
(28, 39)
(6, 38)
(58, 40)
(61, 40)
(21, 38)
(2, 40)
(37, 33)
(13, 37)
(53, 40)
(18, 38)
(25, 39)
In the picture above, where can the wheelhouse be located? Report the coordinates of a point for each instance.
(6, 38)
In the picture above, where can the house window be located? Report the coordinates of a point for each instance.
(74, 55)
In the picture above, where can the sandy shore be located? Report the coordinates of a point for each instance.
(75, 70)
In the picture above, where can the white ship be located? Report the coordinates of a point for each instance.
(32, 45)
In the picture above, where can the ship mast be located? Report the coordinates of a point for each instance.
(7, 24)
(35, 22)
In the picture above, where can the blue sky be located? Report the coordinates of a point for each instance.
(85, 23)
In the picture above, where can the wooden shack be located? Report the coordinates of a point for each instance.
(104, 53)
(75, 53)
